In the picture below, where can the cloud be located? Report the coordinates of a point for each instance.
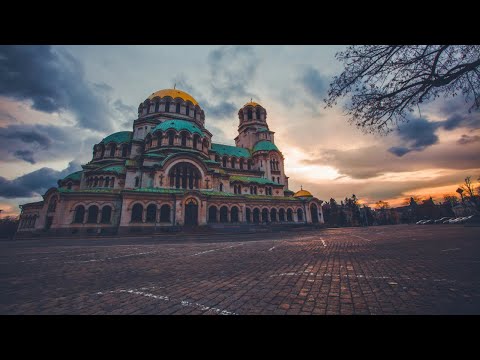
(26, 155)
(313, 82)
(372, 161)
(34, 143)
(34, 183)
(55, 82)
(399, 150)
(466, 139)
(232, 69)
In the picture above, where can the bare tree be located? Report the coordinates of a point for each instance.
(382, 205)
(387, 82)
(469, 188)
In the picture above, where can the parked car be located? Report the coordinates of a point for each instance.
(428, 222)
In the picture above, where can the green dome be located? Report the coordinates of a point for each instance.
(265, 145)
(76, 176)
(118, 137)
(178, 125)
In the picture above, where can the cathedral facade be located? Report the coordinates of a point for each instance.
(167, 174)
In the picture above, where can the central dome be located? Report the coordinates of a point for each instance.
(174, 93)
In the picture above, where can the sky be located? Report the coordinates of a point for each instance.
(56, 102)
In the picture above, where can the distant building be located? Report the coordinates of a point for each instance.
(168, 173)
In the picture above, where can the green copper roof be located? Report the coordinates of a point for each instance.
(118, 169)
(178, 125)
(230, 150)
(262, 129)
(98, 190)
(118, 137)
(76, 176)
(248, 179)
(160, 190)
(265, 145)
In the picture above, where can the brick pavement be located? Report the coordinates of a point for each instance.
(401, 269)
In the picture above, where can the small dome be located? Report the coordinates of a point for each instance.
(174, 93)
(178, 125)
(303, 193)
(118, 137)
(265, 145)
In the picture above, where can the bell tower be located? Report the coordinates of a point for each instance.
(253, 125)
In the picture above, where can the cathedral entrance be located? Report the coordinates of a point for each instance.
(191, 212)
(48, 222)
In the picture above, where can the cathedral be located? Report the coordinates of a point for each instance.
(167, 174)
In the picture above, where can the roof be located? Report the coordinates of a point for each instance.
(255, 180)
(117, 169)
(178, 125)
(173, 93)
(76, 176)
(265, 145)
(262, 129)
(118, 137)
(228, 150)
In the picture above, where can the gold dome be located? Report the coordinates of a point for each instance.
(303, 193)
(252, 103)
(174, 93)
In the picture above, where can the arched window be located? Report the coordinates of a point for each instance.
(248, 215)
(241, 164)
(112, 150)
(53, 205)
(265, 215)
(107, 181)
(157, 106)
(177, 108)
(195, 141)
(249, 164)
(147, 108)
(102, 151)
(205, 144)
(258, 114)
(137, 212)
(314, 213)
(232, 162)
(249, 114)
(221, 187)
(112, 182)
(165, 213)
(256, 215)
(278, 179)
(69, 186)
(184, 138)
(167, 106)
(184, 175)
(187, 111)
(273, 215)
(255, 190)
(281, 215)
(137, 181)
(124, 150)
(234, 214)
(234, 189)
(95, 182)
(212, 214)
(106, 214)
(151, 213)
(300, 215)
(223, 214)
(289, 215)
(171, 138)
(224, 161)
(92, 214)
(79, 214)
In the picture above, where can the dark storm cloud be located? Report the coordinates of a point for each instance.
(33, 143)
(399, 150)
(34, 183)
(53, 81)
(313, 82)
(466, 139)
(469, 120)
(26, 155)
